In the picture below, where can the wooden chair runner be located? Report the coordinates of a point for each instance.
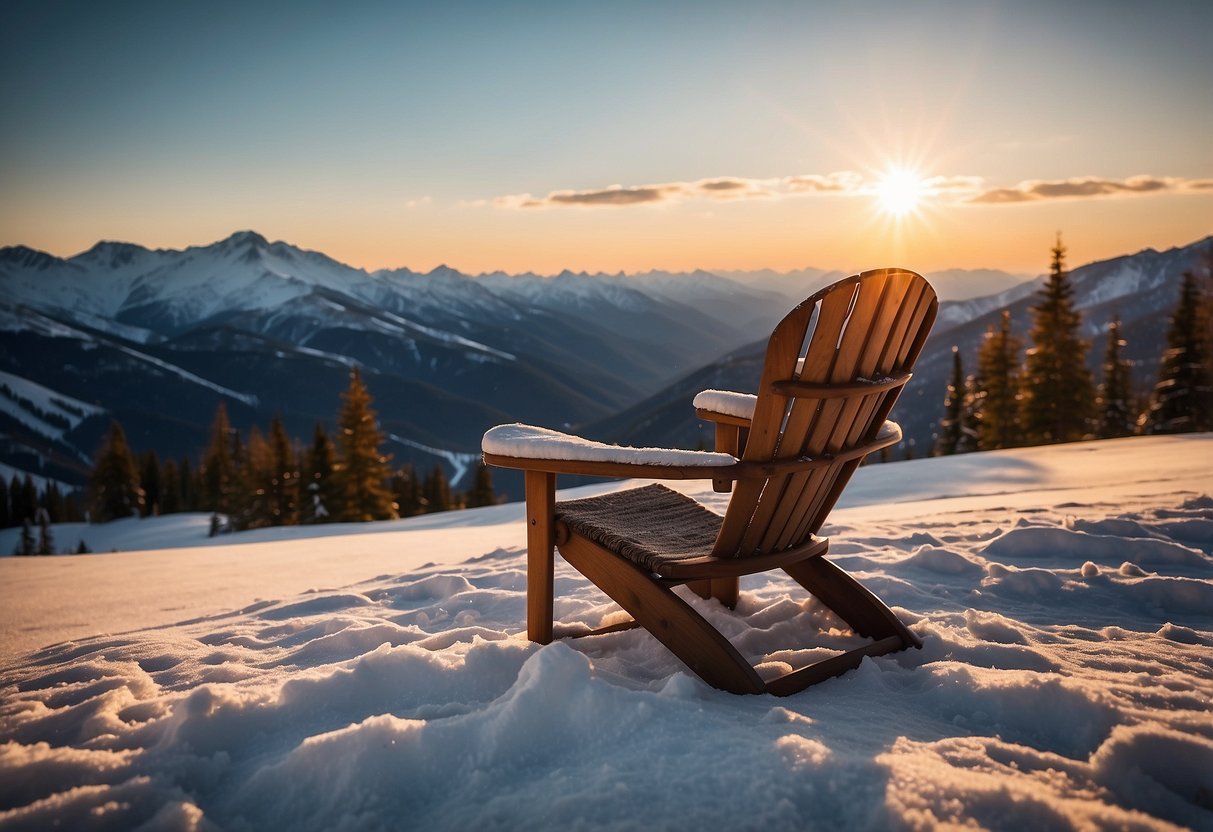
(834, 367)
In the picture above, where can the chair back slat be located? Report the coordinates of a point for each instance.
(866, 327)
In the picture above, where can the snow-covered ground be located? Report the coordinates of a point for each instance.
(376, 677)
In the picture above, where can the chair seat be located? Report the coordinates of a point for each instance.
(653, 526)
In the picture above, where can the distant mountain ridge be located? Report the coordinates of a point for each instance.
(156, 337)
(1141, 288)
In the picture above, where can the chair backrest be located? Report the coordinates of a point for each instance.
(833, 370)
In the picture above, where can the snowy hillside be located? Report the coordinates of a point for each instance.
(378, 678)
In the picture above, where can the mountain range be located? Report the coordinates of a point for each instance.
(156, 338)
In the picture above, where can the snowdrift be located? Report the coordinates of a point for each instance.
(378, 677)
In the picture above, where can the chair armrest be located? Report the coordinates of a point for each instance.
(725, 407)
(533, 448)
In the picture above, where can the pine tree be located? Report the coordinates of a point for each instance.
(27, 499)
(46, 540)
(51, 499)
(284, 479)
(149, 481)
(189, 485)
(481, 492)
(317, 482)
(406, 491)
(970, 434)
(114, 482)
(25, 546)
(6, 515)
(364, 470)
(998, 387)
(256, 510)
(952, 425)
(1058, 393)
(1114, 403)
(218, 469)
(1183, 397)
(171, 499)
(436, 491)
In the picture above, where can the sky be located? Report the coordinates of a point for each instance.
(612, 136)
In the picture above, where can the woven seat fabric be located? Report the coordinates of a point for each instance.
(648, 526)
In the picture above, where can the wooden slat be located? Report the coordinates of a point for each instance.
(891, 330)
(722, 418)
(710, 566)
(903, 354)
(782, 351)
(540, 490)
(873, 289)
(798, 680)
(807, 390)
(836, 306)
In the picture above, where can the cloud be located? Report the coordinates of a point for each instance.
(972, 189)
(716, 188)
(1032, 190)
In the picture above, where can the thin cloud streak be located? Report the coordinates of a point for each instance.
(968, 189)
(1033, 190)
(717, 188)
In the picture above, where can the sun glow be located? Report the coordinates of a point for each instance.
(900, 191)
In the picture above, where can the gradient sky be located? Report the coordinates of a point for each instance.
(610, 135)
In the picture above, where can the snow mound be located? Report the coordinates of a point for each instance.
(1060, 685)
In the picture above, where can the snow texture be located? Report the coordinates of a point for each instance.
(379, 677)
(727, 402)
(530, 442)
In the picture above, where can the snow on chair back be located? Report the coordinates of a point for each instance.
(863, 336)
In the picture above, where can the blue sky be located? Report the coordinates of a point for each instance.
(413, 134)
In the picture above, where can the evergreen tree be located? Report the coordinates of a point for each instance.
(25, 546)
(149, 481)
(189, 485)
(255, 506)
(1114, 402)
(406, 491)
(436, 491)
(998, 387)
(6, 515)
(28, 499)
(114, 482)
(1058, 393)
(481, 492)
(970, 434)
(318, 487)
(46, 540)
(952, 426)
(218, 469)
(171, 498)
(51, 499)
(1183, 397)
(284, 479)
(364, 470)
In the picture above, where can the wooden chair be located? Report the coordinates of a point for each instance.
(834, 367)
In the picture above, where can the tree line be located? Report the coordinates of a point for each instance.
(249, 481)
(1050, 396)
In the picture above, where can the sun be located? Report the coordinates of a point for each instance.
(899, 191)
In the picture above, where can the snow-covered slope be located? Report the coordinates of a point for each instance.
(377, 677)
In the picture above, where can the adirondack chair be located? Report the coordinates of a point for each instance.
(834, 367)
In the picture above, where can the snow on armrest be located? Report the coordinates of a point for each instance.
(740, 405)
(529, 442)
(889, 431)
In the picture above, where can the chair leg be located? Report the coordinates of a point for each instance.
(850, 600)
(540, 489)
(671, 620)
(726, 590)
